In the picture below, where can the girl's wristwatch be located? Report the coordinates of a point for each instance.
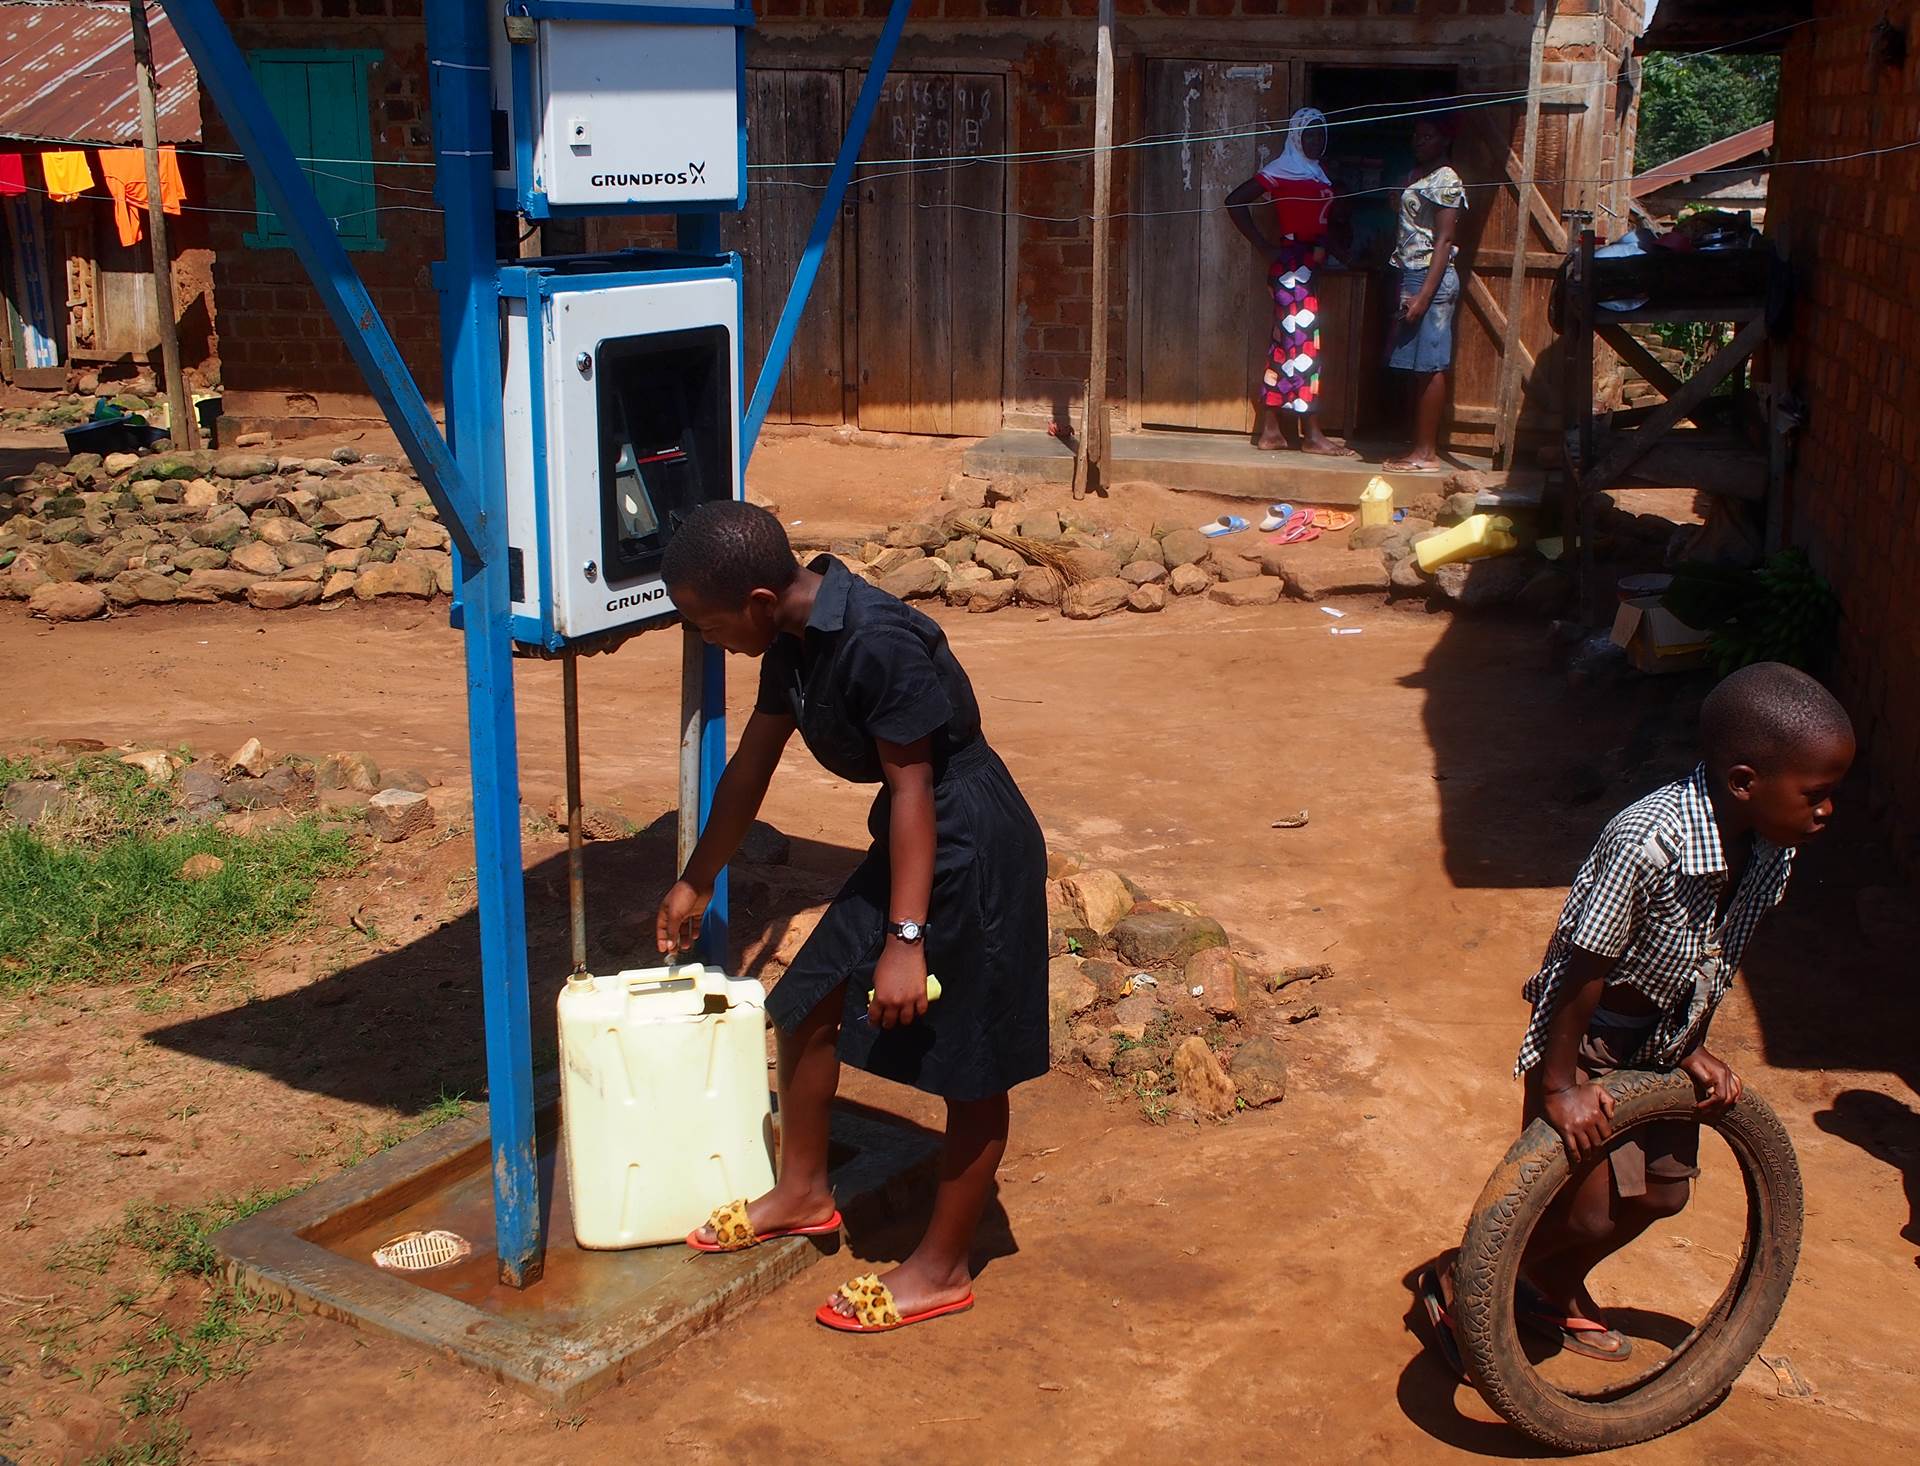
(907, 931)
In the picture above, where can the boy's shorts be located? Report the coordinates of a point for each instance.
(1666, 1150)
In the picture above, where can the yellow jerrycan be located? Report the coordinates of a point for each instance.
(663, 1101)
(1473, 538)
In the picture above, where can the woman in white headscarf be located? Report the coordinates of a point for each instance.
(1301, 194)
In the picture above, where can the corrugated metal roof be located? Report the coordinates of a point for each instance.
(1705, 160)
(66, 75)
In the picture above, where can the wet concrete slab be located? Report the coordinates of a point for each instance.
(594, 1318)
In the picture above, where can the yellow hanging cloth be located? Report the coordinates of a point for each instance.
(68, 175)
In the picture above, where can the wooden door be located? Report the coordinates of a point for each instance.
(793, 116)
(1205, 315)
(126, 319)
(932, 256)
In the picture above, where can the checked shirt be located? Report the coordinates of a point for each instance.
(1649, 895)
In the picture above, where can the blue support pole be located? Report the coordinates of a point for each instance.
(223, 72)
(470, 349)
(823, 222)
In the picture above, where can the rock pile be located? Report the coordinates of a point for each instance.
(949, 552)
(156, 528)
(1150, 996)
(239, 788)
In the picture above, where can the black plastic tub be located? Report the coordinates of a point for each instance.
(112, 435)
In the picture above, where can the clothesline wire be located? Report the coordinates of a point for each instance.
(1499, 183)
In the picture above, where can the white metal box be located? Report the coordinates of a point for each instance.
(663, 1101)
(606, 106)
(622, 414)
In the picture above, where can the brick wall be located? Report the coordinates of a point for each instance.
(282, 358)
(280, 355)
(1850, 230)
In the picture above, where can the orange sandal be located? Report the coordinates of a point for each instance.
(874, 1311)
(732, 1232)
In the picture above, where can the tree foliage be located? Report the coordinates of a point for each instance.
(1687, 102)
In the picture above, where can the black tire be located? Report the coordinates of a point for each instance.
(1703, 1367)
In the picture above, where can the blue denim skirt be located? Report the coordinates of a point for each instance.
(1427, 345)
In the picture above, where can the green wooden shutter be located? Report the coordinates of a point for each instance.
(319, 98)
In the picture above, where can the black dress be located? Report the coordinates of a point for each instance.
(870, 667)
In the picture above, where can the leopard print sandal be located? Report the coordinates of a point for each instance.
(732, 1232)
(874, 1311)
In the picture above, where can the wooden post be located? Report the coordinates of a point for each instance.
(180, 421)
(1093, 436)
(1508, 403)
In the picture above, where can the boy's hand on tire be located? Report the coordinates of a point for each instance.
(1583, 1114)
(1719, 1087)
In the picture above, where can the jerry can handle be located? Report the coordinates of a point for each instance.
(711, 985)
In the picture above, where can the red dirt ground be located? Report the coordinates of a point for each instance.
(1233, 1292)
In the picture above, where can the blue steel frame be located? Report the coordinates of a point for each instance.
(532, 202)
(467, 481)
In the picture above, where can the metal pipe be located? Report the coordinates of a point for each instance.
(576, 851)
(692, 669)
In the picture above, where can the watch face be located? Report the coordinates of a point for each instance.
(909, 931)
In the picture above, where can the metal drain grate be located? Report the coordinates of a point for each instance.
(415, 1252)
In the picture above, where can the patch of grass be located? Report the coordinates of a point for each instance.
(179, 1239)
(162, 1359)
(446, 1107)
(110, 899)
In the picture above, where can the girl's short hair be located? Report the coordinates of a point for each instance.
(726, 550)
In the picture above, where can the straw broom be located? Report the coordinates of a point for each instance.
(1036, 552)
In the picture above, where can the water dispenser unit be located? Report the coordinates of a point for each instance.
(622, 407)
(606, 106)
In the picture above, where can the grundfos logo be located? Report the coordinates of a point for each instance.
(693, 173)
(639, 598)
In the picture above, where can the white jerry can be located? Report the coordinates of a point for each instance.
(663, 1101)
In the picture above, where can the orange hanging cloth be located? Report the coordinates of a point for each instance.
(125, 172)
(68, 175)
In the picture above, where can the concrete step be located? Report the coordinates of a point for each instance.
(1211, 463)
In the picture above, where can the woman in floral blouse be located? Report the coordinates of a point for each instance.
(1430, 208)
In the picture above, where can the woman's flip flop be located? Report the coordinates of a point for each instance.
(1571, 1332)
(873, 1310)
(732, 1232)
(1277, 515)
(1302, 527)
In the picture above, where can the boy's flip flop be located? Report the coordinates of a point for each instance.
(1225, 524)
(732, 1232)
(874, 1312)
(1573, 1333)
(1431, 1290)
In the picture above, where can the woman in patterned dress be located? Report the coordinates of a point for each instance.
(1298, 187)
